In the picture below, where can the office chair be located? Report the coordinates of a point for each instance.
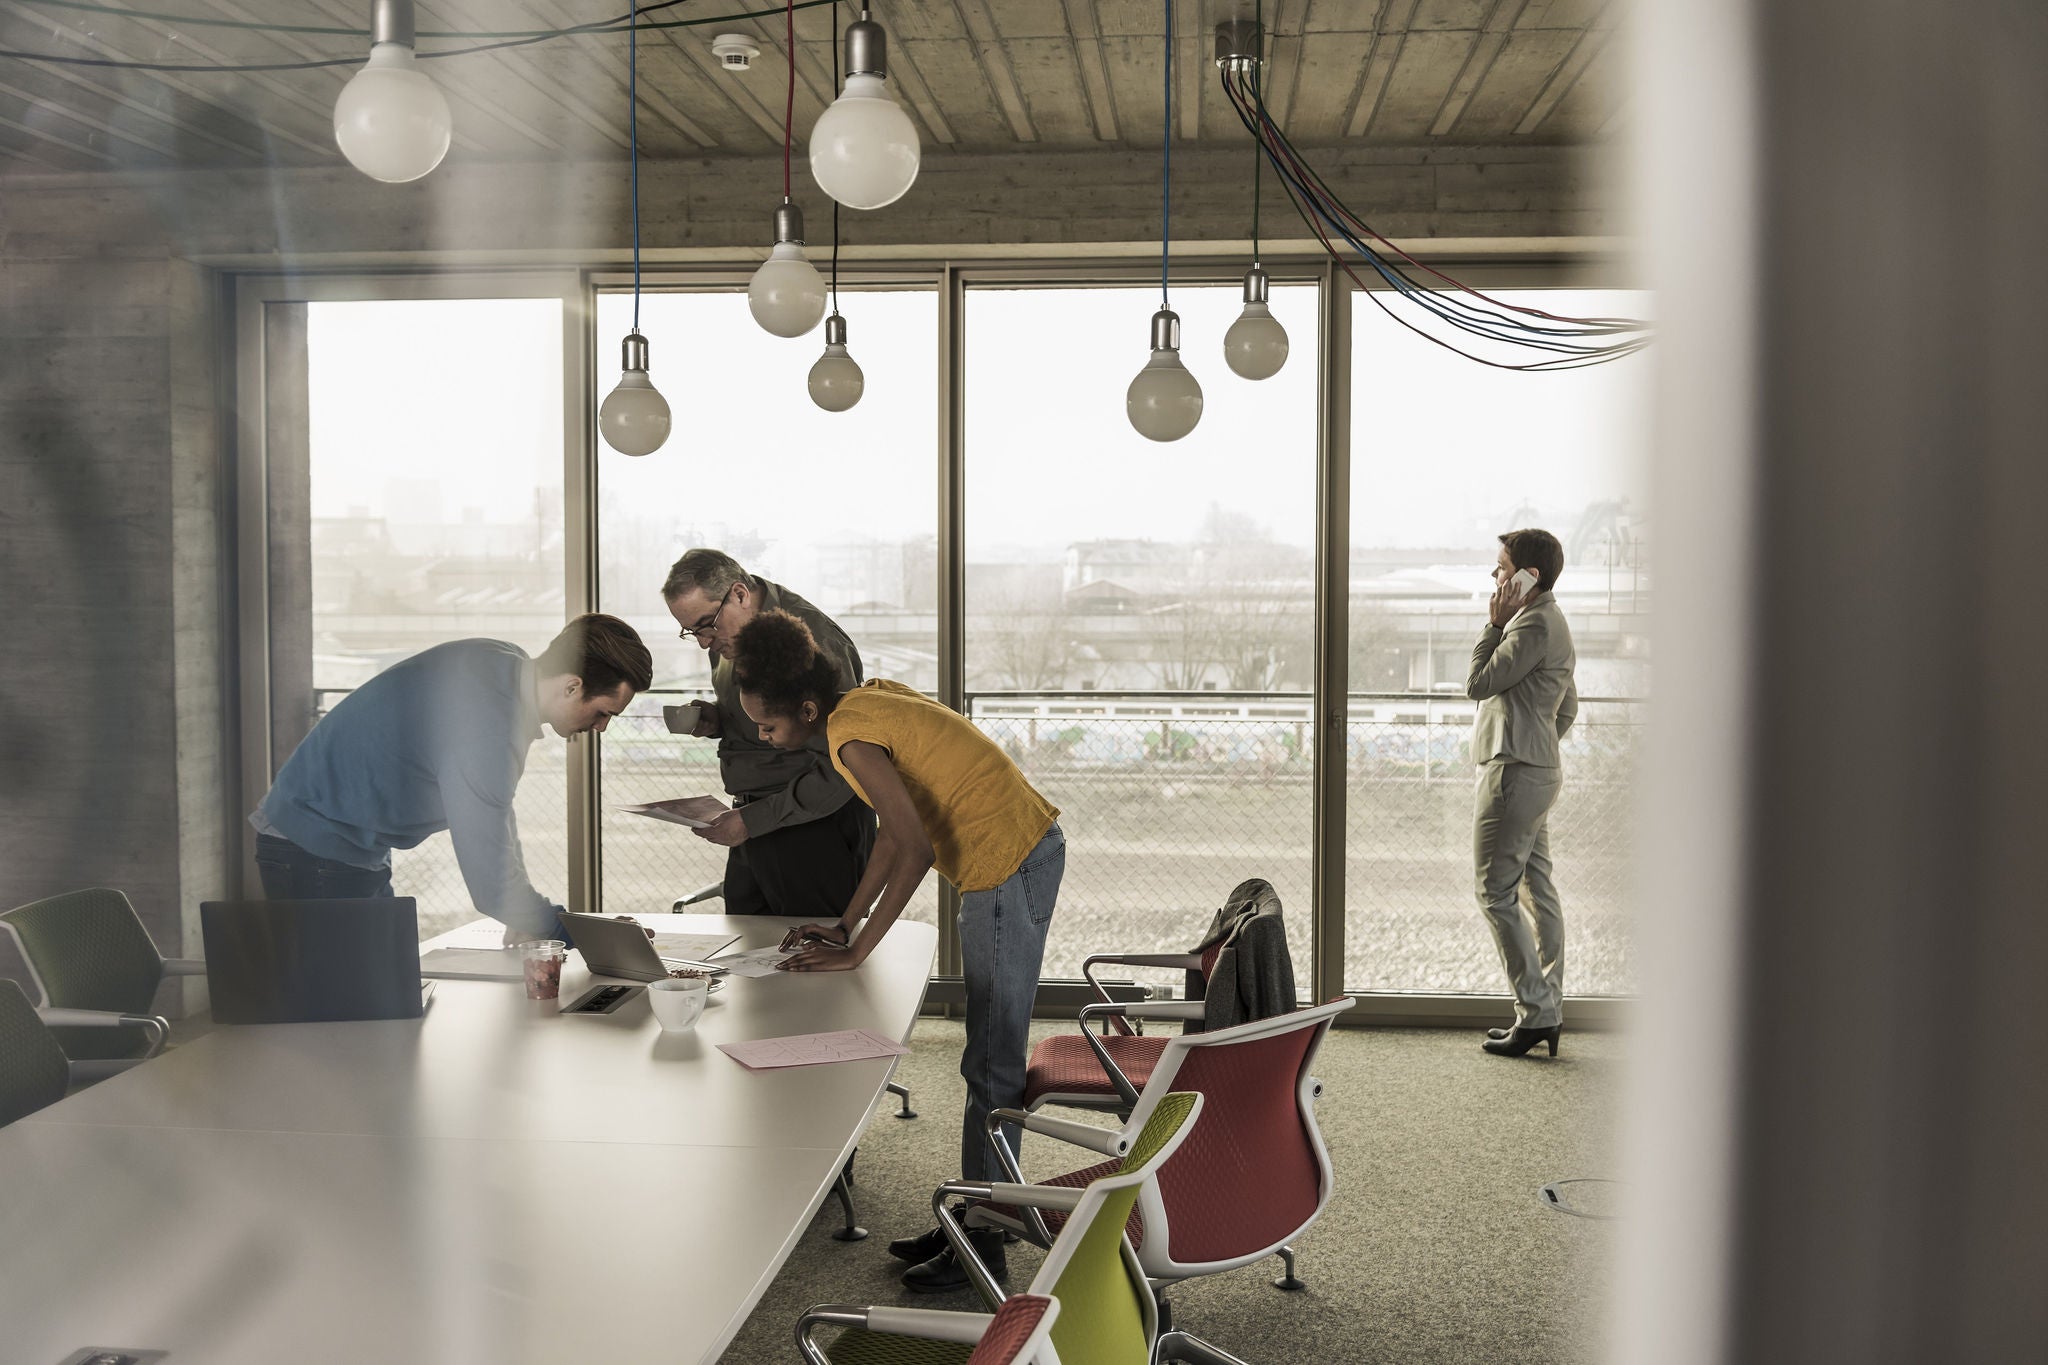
(1108, 1315)
(97, 972)
(1256, 1180)
(33, 1070)
(1106, 1072)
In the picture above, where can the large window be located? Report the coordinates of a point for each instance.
(1140, 619)
(1139, 616)
(841, 508)
(434, 501)
(1445, 455)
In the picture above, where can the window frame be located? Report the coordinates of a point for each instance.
(586, 369)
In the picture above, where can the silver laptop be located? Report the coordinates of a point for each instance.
(621, 948)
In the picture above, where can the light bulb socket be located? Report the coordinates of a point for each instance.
(633, 353)
(1166, 330)
(391, 22)
(1240, 44)
(1255, 285)
(789, 223)
(835, 330)
(867, 47)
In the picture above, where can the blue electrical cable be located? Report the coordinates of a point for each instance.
(1166, 181)
(633, 143)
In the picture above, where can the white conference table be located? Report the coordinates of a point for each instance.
(495, 1182)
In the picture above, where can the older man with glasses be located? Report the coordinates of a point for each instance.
(797, 839)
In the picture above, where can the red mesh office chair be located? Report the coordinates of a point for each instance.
(1252, 1177)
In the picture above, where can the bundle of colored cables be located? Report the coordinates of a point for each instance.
(1571, 342)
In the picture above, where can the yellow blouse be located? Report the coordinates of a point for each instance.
(980, 814)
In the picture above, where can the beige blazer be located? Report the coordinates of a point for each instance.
(1522, 680)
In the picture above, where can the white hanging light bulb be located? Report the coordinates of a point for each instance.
(787, 295)
(836, 381)
(634, 416)
(864, 148)
(391, 121)
(1164, 402)
(1255, 347)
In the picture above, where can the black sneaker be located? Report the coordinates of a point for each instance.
(943, 1273)
(920, 1248)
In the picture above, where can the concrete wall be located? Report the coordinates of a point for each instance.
(115, 745)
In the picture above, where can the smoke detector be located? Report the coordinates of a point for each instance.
(735, 51)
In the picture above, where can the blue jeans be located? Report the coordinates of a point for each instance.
(291, 874)
(1002, 940)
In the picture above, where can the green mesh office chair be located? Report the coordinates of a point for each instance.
(33, 1071)
(97, 971)
(1108, 1315)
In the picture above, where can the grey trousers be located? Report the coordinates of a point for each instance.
(1511, 874)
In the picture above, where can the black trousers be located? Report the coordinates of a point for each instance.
(809, 870)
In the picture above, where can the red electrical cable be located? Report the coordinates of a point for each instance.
(789, 104)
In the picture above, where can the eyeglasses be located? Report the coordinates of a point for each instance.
(710, 622)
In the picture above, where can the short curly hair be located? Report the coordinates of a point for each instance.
(776, 658)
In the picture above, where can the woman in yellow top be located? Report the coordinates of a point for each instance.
(947, 797)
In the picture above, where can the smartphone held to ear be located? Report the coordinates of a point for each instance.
(1521, 585)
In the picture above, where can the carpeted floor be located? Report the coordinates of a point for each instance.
(1435, 1246)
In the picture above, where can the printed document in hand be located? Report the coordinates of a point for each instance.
(811, 1049)
(694, 811)
(754, 961)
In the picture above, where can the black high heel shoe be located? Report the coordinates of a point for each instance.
(1498, 1032)
(1520, 1041)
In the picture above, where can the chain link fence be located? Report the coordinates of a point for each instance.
(1167, 804)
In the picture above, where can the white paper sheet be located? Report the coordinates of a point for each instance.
(752, 962)
(484, 933)
(812, 1049)
(468, 964)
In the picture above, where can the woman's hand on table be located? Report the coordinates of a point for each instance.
(832, 934)
(822, 957)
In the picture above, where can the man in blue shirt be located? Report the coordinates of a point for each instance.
(435, 742)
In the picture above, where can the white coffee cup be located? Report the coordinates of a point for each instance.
(677, 1003)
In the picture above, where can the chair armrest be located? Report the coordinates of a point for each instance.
(184, 966)
(1185, 961)
(932, 1324)
(1148, 1009)
(1107, 1141)
(62, 1017)
(825, 1315)
(1062, 1198)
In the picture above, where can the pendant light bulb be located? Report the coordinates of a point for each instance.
(1164, 402)
(634, 417)
(836, 381)
(864, 148)
(391, 121)
(787, 295)
(1255, 347)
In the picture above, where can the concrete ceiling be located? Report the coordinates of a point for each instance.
(976, 76)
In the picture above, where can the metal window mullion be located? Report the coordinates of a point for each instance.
(952, 549)
(579, 571)
(1333, 629)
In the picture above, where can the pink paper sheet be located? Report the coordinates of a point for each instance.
(812, 1049)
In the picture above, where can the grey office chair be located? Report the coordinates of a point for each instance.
(33, 1071)
(96, 971)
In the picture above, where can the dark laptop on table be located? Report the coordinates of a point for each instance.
(294, 962)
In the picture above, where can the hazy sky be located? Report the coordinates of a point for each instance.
(467, 393)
